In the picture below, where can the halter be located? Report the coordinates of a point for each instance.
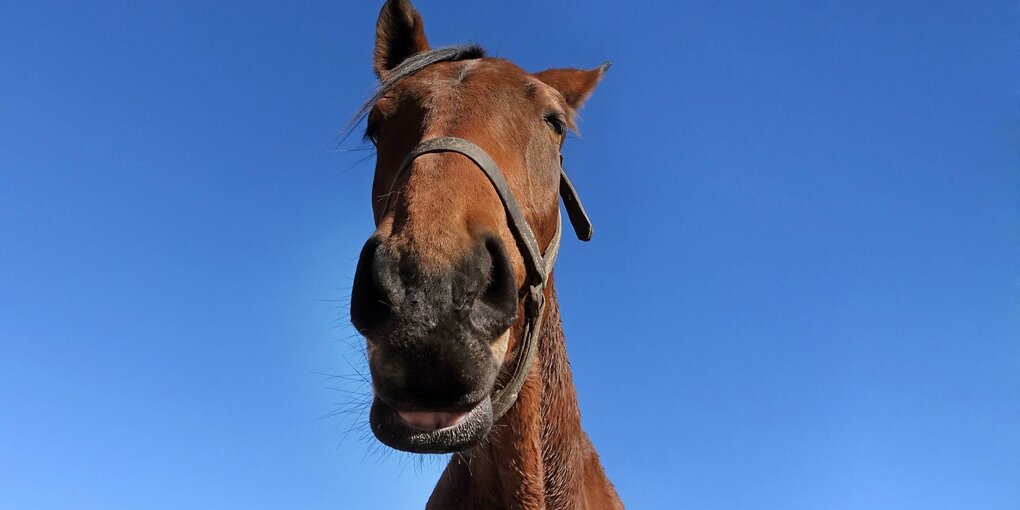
(539, 265)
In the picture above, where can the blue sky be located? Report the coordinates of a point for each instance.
(802, 292)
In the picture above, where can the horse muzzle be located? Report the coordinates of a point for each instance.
(434, 342)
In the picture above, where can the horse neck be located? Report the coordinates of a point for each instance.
(563, 442)
(537, 456)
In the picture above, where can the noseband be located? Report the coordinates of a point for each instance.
(539, 265)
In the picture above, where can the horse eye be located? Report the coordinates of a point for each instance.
(557, 123)
(372, 135)
(372, 127)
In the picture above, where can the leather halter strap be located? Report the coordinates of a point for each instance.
(539, 265)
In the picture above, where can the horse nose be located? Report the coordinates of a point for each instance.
(390, 290)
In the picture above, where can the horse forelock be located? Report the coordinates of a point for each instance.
(410, 66)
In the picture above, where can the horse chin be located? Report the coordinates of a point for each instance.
(396, 433)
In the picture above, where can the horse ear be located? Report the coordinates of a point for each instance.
(399, 33)
(575, 84)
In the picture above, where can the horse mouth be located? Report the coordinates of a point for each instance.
(430, 431)
(431, 420)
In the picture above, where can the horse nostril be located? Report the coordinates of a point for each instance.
(375, 287)
(501, 292)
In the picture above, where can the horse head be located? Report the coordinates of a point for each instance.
(441, 291)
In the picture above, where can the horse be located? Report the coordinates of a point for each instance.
(454, 290)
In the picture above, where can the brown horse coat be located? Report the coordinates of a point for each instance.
(438, 292)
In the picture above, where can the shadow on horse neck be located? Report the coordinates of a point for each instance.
(453, 291)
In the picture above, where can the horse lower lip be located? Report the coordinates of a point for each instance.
(431, 420)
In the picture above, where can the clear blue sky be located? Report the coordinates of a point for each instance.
(802, 292)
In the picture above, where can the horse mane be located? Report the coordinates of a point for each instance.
(412, 65)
